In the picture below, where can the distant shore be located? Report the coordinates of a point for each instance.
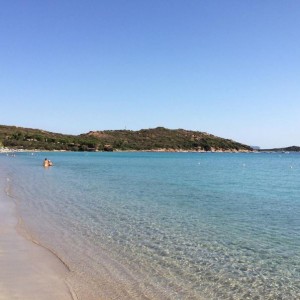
(161, 150)
(11, 150)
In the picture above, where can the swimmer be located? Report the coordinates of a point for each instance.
(46, 162)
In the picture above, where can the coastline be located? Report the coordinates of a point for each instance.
(27, 270)
(162, 150)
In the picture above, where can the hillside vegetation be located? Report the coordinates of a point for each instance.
(143, 140)
(27, 138)
(286, 149)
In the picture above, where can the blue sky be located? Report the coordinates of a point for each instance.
(230, 68)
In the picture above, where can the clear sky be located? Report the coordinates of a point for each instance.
(230, 68)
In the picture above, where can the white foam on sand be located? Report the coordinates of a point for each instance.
(27, 270)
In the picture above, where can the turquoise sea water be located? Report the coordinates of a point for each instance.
(166, 225)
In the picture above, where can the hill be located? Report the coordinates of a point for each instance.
(156, 139)
(165, 139)
(286, 149)
(27, 138)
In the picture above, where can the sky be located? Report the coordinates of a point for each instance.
(230, 68)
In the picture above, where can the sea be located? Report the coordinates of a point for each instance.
(144, 225)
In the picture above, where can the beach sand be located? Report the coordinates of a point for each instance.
(27, 270)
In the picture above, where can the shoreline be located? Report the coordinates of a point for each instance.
(27, 269)
(163, 150)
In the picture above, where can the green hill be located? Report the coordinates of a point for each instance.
(286, 149)
(157, 139)
(28, 138)
(166, 139)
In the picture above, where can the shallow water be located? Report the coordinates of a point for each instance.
(166, 225)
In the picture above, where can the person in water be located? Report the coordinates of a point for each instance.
(47, 163)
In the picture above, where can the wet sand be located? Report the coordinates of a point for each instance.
(27, 270)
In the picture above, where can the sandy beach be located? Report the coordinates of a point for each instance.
(27, 270)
